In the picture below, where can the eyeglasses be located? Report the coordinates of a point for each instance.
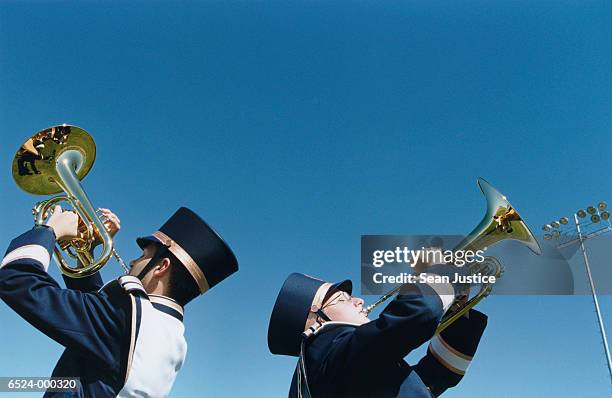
(342, 297)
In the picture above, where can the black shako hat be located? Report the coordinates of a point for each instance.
(202, 251)
(290, 313)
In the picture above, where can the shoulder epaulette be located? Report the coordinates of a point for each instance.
(132, 285)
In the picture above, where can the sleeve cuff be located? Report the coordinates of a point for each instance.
(34, 245)
(452, 359)
(457, 344)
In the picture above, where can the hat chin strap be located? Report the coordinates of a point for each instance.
(322, 315)
(159, 253)
(145, 270)
(317, 324)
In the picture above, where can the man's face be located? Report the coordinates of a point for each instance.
(137, 265)
(342, 307)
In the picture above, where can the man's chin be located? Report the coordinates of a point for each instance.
(364, 315)
(363, 319)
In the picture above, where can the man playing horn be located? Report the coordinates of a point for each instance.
(124, 339)
(343, 353)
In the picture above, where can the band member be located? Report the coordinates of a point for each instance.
(342, 353)
(124, 339)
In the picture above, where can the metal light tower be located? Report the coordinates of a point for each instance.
(599, 216)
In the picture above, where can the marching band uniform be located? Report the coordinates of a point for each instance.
(347, 360)
(120, 341)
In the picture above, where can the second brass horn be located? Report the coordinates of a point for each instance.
(501, 222)
(53, 160)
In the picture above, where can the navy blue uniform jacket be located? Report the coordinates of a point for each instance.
(94, 326)
(368, 360)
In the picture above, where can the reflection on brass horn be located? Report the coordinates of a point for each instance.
(581, 213)
(53, 160)
(501, 222)
(595, 218)
(602, 205)
(591, 210)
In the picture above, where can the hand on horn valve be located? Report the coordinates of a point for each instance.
(111, 222)
(63, 223)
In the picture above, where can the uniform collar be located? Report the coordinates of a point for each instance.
(167, 305)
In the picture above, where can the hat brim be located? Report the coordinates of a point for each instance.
(145, 241)
(344, 286)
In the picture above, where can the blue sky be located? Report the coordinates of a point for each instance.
(296, 127)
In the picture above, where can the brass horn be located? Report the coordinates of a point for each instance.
(501, 222)
(53, 160)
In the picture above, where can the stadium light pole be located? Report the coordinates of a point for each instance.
(597, 214)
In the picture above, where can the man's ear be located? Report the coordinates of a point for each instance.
(162, 267)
